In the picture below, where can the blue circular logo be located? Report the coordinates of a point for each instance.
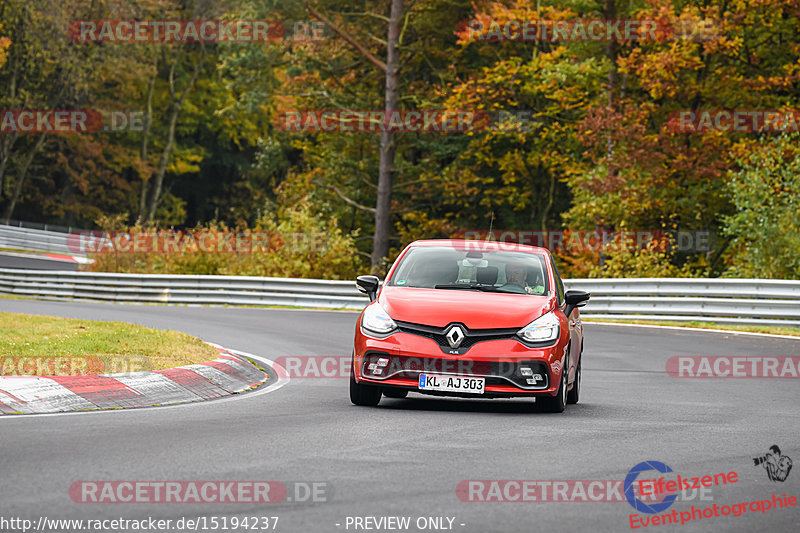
(630, 481)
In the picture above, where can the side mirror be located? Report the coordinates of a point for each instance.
(368, 285)
(575, 299)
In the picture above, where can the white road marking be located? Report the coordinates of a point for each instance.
(687, 328)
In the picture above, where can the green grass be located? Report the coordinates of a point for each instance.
(6, 249)
(31, 252)
(775, 330)
(43, 345)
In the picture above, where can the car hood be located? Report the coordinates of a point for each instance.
(474, 309)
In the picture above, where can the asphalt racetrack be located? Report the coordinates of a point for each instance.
(406, 457)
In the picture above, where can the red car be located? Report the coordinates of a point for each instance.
(471, 319)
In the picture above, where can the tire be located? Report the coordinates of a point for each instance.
(395, 393)
(575, 394)
(557, 403)
(361, 394)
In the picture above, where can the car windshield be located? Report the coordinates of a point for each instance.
(446, 268)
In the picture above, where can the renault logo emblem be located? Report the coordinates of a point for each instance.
(455, 336)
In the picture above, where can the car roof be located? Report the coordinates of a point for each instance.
(474, 244)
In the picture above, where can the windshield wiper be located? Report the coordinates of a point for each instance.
(507, 291)
(478, 287)
(467, 286)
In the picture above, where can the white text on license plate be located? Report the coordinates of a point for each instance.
(443, 383)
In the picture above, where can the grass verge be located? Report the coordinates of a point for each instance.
(775, 330)
(52, 346)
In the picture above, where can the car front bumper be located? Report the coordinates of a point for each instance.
(404, 356)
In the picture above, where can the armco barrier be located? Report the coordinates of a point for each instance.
(742, 301)
(174, 289)
(732, 301)
(35, 240)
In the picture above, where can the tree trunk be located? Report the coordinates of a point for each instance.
(148, 120)
(175, 110)
(610, 12)
(383, 204)
(549, 203)
(5, 154)
(23, 173)
(155, 193)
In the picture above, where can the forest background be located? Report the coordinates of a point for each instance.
(582, 139)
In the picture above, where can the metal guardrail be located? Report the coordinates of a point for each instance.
(741, 301)
(732, 301)
(35, 240)
(178, 289)
(39, 226)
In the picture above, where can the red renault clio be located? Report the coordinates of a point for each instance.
(471, 319)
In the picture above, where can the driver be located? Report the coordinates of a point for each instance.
(516, 273)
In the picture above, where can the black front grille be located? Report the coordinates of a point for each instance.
(472, 337)
(496, 372)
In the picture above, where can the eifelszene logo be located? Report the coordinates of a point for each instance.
(630, 481)
(777, 466)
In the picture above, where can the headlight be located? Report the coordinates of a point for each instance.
(544, 328)
(377, 320)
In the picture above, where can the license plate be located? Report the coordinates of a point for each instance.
(444, 383)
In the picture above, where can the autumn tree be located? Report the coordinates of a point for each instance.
(742, 57)
(765, 190)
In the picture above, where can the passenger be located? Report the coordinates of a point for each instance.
(537, 287)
